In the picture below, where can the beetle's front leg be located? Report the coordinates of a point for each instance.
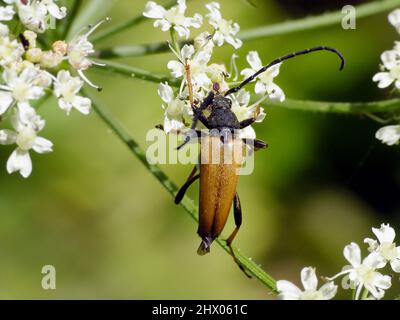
(198, 115)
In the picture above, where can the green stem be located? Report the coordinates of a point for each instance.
(299, 105)
(313, 22)
(71, 16)
(174, 41)
(133, 72)
(364, 295)
(339, 107)
(287, 27)
(99, 36)
(186, 203)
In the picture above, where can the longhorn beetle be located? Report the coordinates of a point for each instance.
(218, 182)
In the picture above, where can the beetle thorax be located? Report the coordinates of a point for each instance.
(220, 102)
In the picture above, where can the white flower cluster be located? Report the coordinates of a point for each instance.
(28, 73)
(362, 275)
(196, 59)
(390, 74)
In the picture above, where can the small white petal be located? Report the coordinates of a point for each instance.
(287, 290)
(395, 264)
(260, 88)
(352, 253)
(82, 104)
(153, 10)
(394, 18)
(382, 281)
(389, 135)
(373, 244)
(309, 278)
(384, 79)
(187, 52)
(374, 260)
(5, 101)
(385, 234)
(176, 68)
(254, 60)
(165, 92)
(164, 25)
(7, 137)
(42, 145)
(328, 290)
(20, 161)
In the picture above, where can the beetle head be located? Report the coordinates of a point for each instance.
(221, 102)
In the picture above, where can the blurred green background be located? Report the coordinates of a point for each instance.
(110, 229)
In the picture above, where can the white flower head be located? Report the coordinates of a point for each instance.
(176, 109)
(394, 19)
(225, 31)
(265, 81)
(391, 74)
(11, 51)
(289, 291)
(363, 274)
(36, 15)
(26, 125)
(66, 89)
(197, 61)
(173, 18)
(385, 245)
(6, 13)
(79, 51)
(389, 135)
(242, 110)
(19, 87)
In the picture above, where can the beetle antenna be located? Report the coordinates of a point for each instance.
(287, 57)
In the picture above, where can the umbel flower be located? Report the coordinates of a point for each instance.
(195, 60)
(173, 18)
(26, 124)
(363, 273)
(390, 75)
(385, 246)
(225, 31)
(28, 74)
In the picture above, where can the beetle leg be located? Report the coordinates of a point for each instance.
(237, 211)
(245, 123)
(256, 143)
(192, 178)
(188, 137)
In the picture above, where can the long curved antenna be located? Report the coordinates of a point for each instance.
(279, 60)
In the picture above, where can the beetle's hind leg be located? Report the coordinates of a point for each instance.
(181, 192)
(237, 211)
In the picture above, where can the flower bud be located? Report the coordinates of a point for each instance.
(50, 59)
(31, 37)
(34, 55)
(60, 47)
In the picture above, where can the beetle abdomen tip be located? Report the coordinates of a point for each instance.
(204, 247)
